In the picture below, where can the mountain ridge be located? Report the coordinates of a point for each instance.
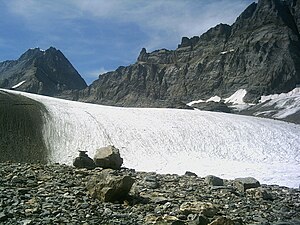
(46, 72)
(259, 52)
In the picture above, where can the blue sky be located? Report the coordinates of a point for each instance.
(100, 35)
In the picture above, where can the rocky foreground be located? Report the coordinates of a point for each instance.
(58, 194)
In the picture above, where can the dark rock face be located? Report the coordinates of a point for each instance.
(43, 72)
(260, 52)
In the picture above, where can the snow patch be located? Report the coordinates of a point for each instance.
(237, 97)
(295, 91)
(285, 104)
(18, 85)
(214, 99)
(225, 52)
(195, 102)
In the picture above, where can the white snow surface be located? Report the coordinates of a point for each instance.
(175, 141)
(19, 84)
(285, 104)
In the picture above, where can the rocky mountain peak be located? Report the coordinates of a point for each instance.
(31, 53)
(143, 55)
(44, 72)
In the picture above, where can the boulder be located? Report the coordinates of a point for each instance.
(108, 157)
(242, 184)
(84, 161)
(205, 208)
(214, 181)
(190, 174)
(109, 187)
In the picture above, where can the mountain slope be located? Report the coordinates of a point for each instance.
(173, 141)
(260, 52)
(43, 72)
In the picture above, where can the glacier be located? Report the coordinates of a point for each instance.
(175, 140)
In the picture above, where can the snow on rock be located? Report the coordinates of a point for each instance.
(18, 85)
(175, 141)
(225, 52)
(237, 97)
(214, 99)
(294, 92)
(284, 104)
(195, 102)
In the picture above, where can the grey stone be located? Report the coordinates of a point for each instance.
(214, 181)
(260, 193)
(108, 157)
(242, 184)
(3, 216)
(84, 161)
(190, 174)
(108, 187)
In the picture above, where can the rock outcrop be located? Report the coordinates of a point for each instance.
(43, 72)
(260, 52)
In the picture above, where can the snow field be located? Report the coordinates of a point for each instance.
(175, 141)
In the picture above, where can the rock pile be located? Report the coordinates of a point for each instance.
(58, 194)
(84, 161)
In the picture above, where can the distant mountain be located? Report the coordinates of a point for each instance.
(259, 53)
(43, 72)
